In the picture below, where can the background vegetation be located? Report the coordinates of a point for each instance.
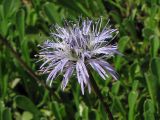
(23, 94)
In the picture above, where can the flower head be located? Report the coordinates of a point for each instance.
(76, 47)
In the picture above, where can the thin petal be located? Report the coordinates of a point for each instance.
(81, 72)
(78, 73)
(54, 72)
(109, 68)
(67, 75)
(84, 68)
(97, 68)
(82, 87)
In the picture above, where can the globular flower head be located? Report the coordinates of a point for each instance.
(75, 48)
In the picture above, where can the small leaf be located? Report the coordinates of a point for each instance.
(148, 110)
(130, 26)
(7, 114)
(25, 50)
(85, 112)
(7, 5)
(1, 109)
(82, 9)
(135, 85)
(31, 17)
(3, 86)
(44, 99)
(27, 116)
(150, 22)
(115, 87)
(122, 44)
(26, 104)
(132, 99)
(20, 21)
(147, 33)
(151, 85)
(55, 108)
(116, 17)
(10, 6)
(4, 27)
(118, 105)
(51, 12)
(155, 68)
(1, 12)
(154, 46)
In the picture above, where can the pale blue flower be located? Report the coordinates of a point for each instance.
(75, 47)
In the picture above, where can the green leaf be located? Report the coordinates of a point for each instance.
(130, 27)
(150, 23)
(7, 114)
(115, 87)
(20, 21)
(10, 6)
(134, 70)
(4, 27)
(118, 105)
(135, 85)
(55, 108)
(36, 3)
(3, 86)
(102, 111)
(116, 4)
(116, 17)
(155, 68)
(82, 9)
(132, 100)
(151, 85)
(147, 33)
(1, 109)
(1, 12)
(121, 44)
(27, 116)
(31, 17)
(7, 6)
(44, 99)
(26, 104)
(76, 7)
(51, 12)
(85, 112)
(98, 117)
(149, 110)
(154, 46)
(25, 50)
(76, 92)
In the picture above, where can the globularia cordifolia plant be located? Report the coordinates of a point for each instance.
(76, 48)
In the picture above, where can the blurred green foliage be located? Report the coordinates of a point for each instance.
(135, 96)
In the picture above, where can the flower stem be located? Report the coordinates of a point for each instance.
(98, 92)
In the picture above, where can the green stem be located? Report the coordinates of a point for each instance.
(98, 92)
